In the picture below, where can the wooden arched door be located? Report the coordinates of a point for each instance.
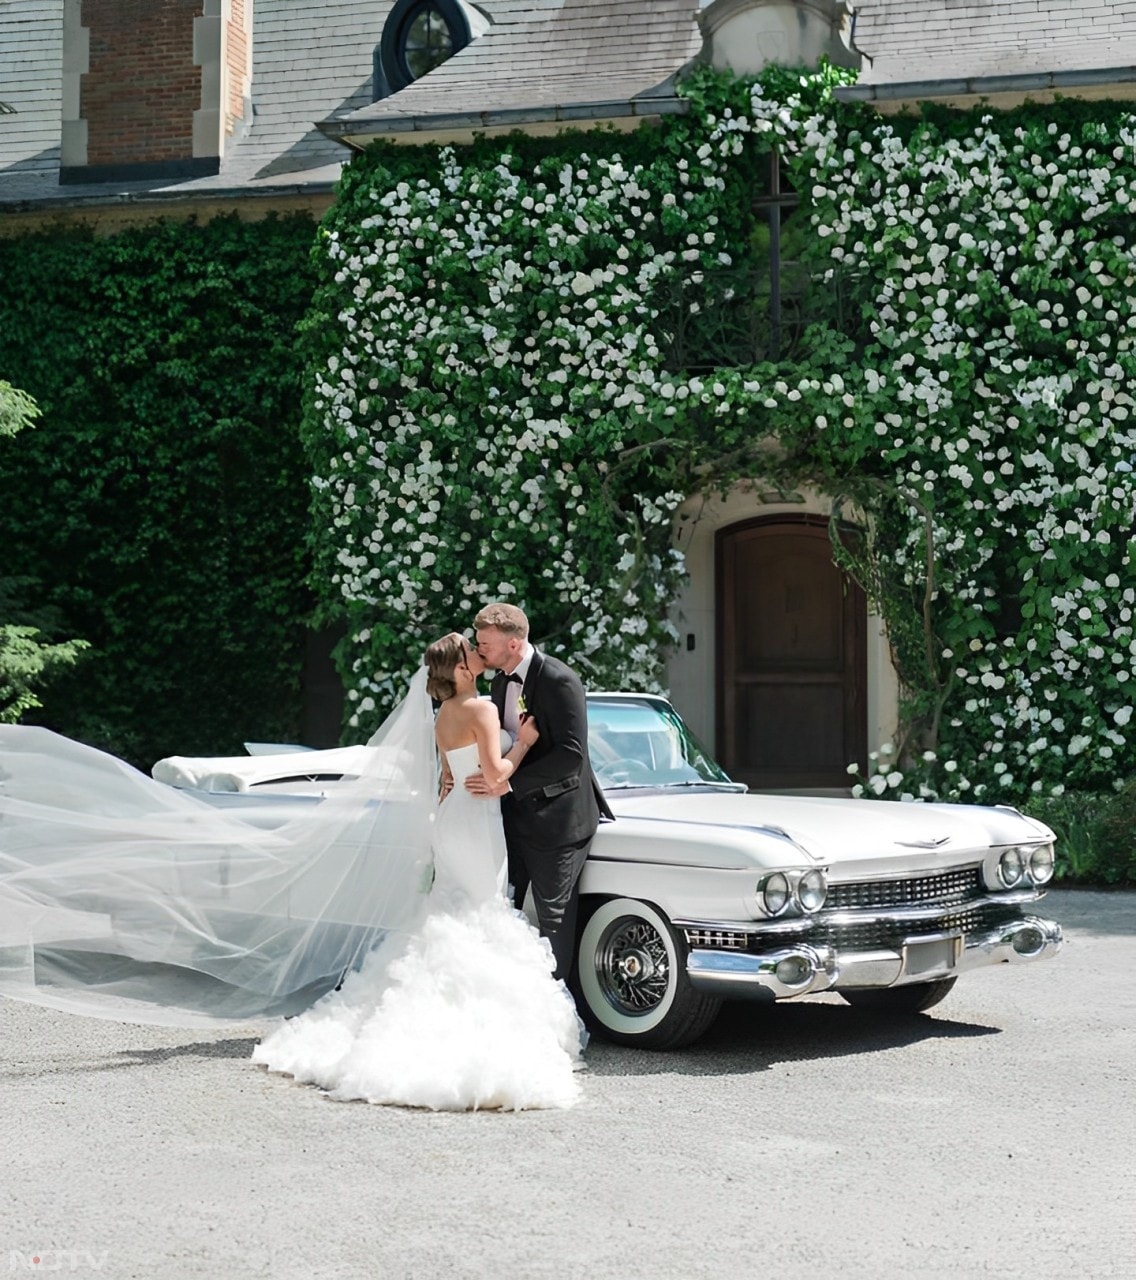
(792, 665)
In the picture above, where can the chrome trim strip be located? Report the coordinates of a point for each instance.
(870, 915)
(792, 924)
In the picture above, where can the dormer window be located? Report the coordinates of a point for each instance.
(420, 35)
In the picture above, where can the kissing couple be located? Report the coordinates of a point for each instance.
(372, 927)
(470, 1016)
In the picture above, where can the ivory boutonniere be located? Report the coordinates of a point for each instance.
(522, 710)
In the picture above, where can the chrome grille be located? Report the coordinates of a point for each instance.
(722, 939)
(948, 888)
(874, 935)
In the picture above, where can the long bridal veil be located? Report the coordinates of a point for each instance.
(121, 897)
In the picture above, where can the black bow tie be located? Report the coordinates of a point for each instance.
(513, 679)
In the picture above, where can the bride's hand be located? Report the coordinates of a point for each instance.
(527, 732)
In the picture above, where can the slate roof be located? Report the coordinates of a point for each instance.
(572, 60)
(542, 64)
(949, 48)
(31, 53)
(310, 60)
(312, 64)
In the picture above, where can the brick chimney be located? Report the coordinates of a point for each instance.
(152, 88)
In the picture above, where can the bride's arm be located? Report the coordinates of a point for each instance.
(445, 775)
(495, 767)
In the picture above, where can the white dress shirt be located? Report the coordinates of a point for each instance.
(510, 718)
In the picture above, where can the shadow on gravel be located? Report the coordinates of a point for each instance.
(749, 1038)
(236, 1048)
(127, 1058)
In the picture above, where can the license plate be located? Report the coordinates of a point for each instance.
(930, 957)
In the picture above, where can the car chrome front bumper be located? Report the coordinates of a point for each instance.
(789, 971)
(798, 969)
(931, 957)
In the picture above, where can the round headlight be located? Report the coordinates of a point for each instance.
(774, 893)
(1041, 862)
(812, 889)
(1011, 867)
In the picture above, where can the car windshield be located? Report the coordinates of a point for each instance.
(646, 744)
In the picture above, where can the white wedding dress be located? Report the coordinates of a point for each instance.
(464, 1013)
(123, 898)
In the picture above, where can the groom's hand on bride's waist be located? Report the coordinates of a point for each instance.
(476, 784)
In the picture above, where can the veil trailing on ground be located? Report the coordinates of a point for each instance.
(123, 898)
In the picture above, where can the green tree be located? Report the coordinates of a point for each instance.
(28, 657)
(17, 409)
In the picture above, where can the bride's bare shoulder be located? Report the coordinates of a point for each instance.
(482, 710)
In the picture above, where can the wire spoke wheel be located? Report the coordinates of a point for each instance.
(633, 966)
(631, 978)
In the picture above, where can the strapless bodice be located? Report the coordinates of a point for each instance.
(464, 760)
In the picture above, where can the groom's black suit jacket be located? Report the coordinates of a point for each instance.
(555, 802)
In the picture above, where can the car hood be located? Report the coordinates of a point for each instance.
(734, 830)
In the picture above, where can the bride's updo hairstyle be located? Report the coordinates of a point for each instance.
(441, 660)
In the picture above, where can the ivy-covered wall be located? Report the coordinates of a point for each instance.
(498, 410)
(159, 506)
(514, 384)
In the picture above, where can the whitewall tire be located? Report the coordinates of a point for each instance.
(631, 977)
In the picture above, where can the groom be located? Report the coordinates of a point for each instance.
(552, 804)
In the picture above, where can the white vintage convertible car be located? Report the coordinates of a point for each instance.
(700, 891)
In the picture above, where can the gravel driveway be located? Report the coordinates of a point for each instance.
(993, 1137)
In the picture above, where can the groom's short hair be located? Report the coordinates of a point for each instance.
(507, 618)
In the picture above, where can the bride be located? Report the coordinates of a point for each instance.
(466, 1013)
(123, 898)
